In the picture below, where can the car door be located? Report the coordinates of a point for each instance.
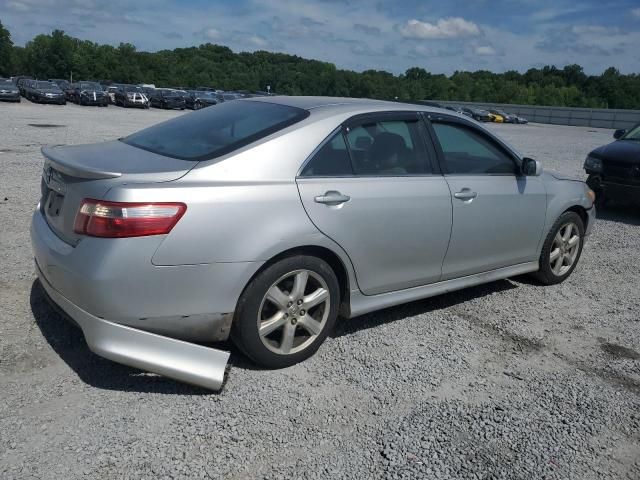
(498, 213)
(374, 188)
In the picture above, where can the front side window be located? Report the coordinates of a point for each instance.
(212, 132)
(467, 151)
(388, 148)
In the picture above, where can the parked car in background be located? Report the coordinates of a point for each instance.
(195, 100)
(168, 99)
(9, 91)
(110, 91)
(495, 117)
(131, 96)
(61, 82)
(521, 120)
(506, 117)
(42, 91)
(477, 114)
(89, 93)
(158, 232)
(614, 169)
(229, 96)
(20, 81)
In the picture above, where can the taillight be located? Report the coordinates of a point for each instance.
(98, 218)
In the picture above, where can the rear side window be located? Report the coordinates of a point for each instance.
(467, 151)
(332, 160)
(212, 132)
(388, 148)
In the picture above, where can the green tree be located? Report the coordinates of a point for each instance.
(6, 52)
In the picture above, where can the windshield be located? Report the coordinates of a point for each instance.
(6, 83)
(47, 85)
(633, 134)
(212, 132)
(90, 86)
(133, 88)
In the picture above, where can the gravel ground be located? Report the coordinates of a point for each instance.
(509, 380)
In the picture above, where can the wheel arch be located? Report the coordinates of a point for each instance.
(326, 254)
(582, 213)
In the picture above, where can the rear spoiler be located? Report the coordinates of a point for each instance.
(69, 165)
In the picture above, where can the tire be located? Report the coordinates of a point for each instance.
(551, 272)
(305, 330)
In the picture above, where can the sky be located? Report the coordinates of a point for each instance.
(392, 35)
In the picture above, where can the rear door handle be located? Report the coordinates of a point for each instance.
(332, 198)
(465, 194)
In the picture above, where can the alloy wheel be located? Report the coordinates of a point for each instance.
(293, 312)
(564, 249)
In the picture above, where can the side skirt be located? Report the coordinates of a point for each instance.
(361, 304)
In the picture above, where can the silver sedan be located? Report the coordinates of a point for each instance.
(265, 219)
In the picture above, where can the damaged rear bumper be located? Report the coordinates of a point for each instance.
(177, 359)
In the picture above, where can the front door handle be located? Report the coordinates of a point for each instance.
(465, 194)
(332, 198)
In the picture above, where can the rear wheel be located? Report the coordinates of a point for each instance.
(562, 249)
(287, 311)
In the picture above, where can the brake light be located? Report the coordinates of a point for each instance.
(98, 218)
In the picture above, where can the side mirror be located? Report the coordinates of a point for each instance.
(619, 133)
(531, 167)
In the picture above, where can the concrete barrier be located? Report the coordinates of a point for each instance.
(582, 117)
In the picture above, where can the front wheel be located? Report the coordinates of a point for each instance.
(562, 249)
(287, 311)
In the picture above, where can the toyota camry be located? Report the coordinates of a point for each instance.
(262, 220)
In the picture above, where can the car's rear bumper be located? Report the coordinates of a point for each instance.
(115, 279)
(166, 356)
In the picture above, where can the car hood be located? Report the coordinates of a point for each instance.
(621, 151)
(48, 90)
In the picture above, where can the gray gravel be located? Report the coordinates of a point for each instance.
(508, 380)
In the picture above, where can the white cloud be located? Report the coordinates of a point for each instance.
(592, 29)
(485, 50)
(453, 27)
(257, 40)
(18, 6)
(636, 12)
(211, 33)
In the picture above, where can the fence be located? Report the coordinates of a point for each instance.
(583, 117)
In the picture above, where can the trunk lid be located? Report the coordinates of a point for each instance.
(72, 173)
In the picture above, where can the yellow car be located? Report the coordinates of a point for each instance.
(495, 117)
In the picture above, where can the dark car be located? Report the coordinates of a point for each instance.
(19, 81)
(61, 82)
(131, 96)
(89, 93)
(196, 100)
(167, 98)
(8, 91)
(477, 114)
(614, 169)
(40, 91)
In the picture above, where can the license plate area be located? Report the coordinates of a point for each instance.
(53, 204)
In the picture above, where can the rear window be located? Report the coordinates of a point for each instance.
(216, 131)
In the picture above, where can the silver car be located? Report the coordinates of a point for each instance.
(265, 219)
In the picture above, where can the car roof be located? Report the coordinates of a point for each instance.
(337, 105)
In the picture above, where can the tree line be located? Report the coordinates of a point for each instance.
(57, 55)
